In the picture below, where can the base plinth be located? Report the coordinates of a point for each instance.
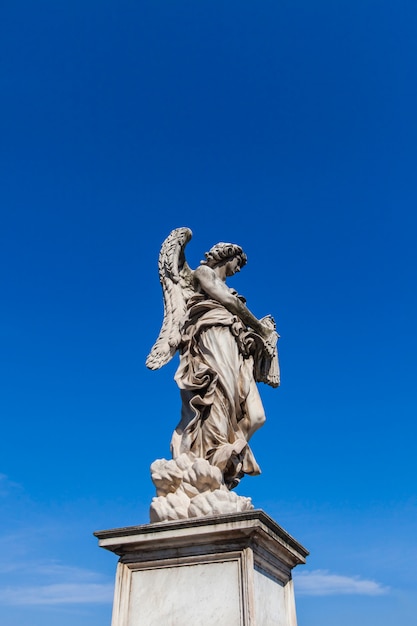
(226, 570)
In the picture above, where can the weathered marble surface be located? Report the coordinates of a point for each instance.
(163, 595)
(224, 351)
(226, 569)
(188, 487)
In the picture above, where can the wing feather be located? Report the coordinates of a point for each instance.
(176, 280)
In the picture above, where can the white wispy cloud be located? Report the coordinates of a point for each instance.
(50, 569)
(61, 593)
(324, 583)
(66, 572)
(55, 584)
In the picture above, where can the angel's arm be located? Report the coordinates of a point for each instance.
(215, 288)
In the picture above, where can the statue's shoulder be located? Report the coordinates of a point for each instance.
(203, 272)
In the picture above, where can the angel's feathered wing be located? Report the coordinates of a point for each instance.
(176, 280)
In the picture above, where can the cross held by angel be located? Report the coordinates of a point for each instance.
(224, 350)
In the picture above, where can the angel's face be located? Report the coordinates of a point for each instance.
(233, 266)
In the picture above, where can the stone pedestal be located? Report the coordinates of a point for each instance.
(225, 570)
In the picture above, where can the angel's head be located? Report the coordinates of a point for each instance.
(226, 253)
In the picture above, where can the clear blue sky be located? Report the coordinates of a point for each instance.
(288, 127)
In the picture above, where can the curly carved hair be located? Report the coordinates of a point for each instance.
(223, 252)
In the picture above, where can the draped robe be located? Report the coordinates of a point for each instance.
(215, 376)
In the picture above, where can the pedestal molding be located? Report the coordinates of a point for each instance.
(233, 569)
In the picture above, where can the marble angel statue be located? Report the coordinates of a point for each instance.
(224, 351)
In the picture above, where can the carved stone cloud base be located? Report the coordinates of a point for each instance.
(232, 570)
(189, 487)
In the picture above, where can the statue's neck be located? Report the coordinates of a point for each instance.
(221, 272)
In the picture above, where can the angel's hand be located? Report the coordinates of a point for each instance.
(267, 326)
(268, 321)
(270, 335)
(267, 332)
